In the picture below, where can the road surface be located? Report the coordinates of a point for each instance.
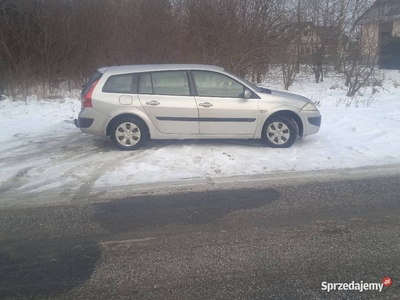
(272, 242)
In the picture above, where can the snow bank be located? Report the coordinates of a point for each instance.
(40, 148)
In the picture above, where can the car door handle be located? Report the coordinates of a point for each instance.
(205, 104)
(153, 103)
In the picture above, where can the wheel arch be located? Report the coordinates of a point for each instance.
(287, 113)
(128, 115)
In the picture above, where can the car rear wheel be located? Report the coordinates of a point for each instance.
(128, 134)
(280, 132)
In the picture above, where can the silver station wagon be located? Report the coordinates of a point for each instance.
(134, 103)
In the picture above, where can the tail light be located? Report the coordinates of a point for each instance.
(88, 97)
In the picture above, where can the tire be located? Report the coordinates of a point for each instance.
(280, 132)
(128, 133)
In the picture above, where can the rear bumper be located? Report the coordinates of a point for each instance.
(83, 122)
(92, 122)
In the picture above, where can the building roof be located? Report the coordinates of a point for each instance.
(158, 67)
(380, 12)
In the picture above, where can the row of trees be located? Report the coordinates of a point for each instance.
(47, 42)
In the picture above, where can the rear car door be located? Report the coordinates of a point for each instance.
(223, 109)
(167, 100)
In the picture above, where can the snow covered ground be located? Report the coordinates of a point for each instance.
(41, 149)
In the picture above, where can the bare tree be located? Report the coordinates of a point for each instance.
(350, 59)
(49, 42)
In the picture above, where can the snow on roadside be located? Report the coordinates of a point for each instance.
(40, 148)
(34, 116)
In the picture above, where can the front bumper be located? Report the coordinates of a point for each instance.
(311, 121)
(316, 121)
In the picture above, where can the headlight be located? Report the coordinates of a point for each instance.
(309, 106)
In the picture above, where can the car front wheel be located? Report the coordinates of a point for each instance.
(280, 132)
(128, 134)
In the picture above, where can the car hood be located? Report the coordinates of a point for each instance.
(289, 96)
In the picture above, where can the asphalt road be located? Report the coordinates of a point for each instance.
(266, 243)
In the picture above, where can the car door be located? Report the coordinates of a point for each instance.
(223, 109)
(167, 100)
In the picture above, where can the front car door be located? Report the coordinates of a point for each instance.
(223, 109)
(167, 100)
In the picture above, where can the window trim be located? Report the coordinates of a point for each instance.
(193, 89)
(140, 80)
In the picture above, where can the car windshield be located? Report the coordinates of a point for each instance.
(251, 84)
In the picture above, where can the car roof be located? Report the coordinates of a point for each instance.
(158, 67)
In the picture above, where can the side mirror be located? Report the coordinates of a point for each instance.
(247, 94)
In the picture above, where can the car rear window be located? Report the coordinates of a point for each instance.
(96, 76)
(123, 84)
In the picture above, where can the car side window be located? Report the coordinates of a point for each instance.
(170, 83)
(122, 84)
(212, 84)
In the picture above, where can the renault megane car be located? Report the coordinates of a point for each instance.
(132, 104)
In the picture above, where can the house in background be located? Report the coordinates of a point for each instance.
(380, 33)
